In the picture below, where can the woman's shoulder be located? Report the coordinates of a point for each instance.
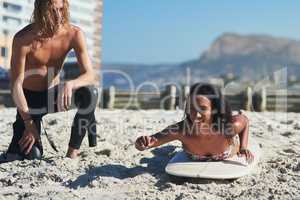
(239, 121)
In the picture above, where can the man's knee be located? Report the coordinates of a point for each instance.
(86, 97)
(35, 153)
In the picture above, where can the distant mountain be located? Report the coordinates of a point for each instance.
(261, 48)
(248, 57)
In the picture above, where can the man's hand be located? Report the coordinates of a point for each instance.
(64, 100)
(247, 153)
(145, 142)
(29, 137)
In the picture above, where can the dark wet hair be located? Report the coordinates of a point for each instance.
(221, 109)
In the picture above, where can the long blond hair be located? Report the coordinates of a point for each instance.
(46, 18)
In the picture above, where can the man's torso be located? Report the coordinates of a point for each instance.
(45, 58)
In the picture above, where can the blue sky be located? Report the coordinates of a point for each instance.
(159, 31)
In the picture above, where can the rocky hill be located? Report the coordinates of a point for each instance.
(247, 57)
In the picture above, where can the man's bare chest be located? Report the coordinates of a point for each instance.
(48, 53)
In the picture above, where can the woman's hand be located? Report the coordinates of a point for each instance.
(64, 100)
(247, 153)
(145, 142)
(30, 136)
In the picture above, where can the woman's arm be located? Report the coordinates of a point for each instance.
(169, 134)
(241, 127)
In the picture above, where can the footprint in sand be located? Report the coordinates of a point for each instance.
(297, 126)
(287, 134)
(289, 151)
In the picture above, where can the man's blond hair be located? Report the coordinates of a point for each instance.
(47, 19)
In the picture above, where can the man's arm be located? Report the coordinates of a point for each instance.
(87, 75)
(18, 59)
(17, 71)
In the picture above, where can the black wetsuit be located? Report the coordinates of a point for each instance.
(41, 103)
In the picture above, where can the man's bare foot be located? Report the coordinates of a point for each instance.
(72, 153)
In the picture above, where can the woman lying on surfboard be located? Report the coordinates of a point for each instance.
(208, 131)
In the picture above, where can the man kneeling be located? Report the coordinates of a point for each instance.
(38, 53)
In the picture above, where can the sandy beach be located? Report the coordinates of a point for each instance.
(116, 170)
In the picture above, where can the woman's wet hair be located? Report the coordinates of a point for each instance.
(220, 107)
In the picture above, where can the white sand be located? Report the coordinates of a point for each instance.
(116, 170)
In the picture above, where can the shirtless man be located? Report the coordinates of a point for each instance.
(38, 53)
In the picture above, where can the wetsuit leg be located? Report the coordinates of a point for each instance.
(18, 130)
(84, 121)
(37, 102)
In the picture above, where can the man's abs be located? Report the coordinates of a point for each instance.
(39, 79)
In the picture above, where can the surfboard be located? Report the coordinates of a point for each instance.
(232, 168)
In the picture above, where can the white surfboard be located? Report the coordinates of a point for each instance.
(232, 168)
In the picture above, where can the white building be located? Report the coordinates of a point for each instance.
(15, 14)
